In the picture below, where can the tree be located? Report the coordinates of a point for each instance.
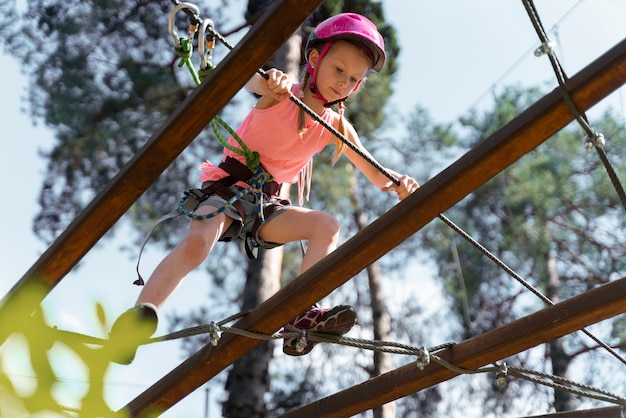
(108, 79)
(553, 217)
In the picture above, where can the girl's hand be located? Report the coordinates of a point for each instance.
(277, 86)
(407, 186)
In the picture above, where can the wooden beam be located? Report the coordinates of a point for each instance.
(479, 165)
(543, 326)
(189, 119)
(608, 412)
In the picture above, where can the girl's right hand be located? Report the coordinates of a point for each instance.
(277, 86)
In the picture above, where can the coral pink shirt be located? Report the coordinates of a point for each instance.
(273, 133)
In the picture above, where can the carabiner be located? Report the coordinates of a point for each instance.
(205, 42)
(172, 29)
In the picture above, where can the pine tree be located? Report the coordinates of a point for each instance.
(553, 217)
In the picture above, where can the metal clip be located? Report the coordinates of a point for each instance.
(214, 333)
(302, 342)
(171, 27)
(545, 48)
(597, 140)
(501, 376)
(423, 358)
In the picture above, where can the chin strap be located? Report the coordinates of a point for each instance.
(313, 73)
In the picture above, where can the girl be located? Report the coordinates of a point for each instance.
(339, 53)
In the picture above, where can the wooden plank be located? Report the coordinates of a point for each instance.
(479, 165)
(552, 322)
(189, 119)
(608, 412)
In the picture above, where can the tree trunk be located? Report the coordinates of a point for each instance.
(380, 315)
(248, 380)
(382, 328)
(563, 400)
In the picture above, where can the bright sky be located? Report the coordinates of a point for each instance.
(453, 54)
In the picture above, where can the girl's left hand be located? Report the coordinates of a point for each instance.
(407, 186)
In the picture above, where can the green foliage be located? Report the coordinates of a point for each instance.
(556, 199)
(553, 217)
(105, 80)
(29, 341)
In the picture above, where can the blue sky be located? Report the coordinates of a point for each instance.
(453, 54)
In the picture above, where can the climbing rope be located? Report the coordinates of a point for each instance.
(523, 282)
(424, 356)
(597, 141)
(594, 139)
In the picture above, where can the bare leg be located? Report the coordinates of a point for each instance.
(186, 256)
(133, 327)
(320, 229)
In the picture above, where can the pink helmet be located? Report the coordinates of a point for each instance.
(351, 27)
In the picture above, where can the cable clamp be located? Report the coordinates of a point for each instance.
(302, 341)
(423, 358)
(545, 48)
(595, 140)
(215, 333)
(501, 375)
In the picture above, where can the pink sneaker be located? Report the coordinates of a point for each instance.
(337, 321)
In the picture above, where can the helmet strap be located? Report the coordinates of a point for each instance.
(313, 73)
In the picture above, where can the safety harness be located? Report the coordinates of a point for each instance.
(237, 172)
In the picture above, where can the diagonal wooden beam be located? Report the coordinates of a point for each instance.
(550, 323)
(189, 119)
(504, 147)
